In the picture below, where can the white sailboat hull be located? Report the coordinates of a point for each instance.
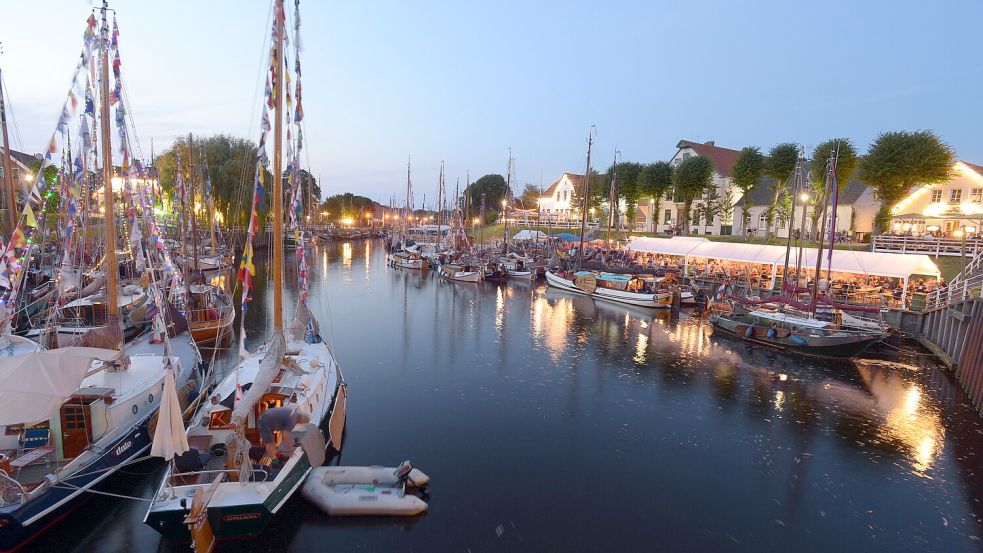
(629, 298)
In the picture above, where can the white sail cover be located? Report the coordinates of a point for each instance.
(269, 367)
(169, 437)
(34, 385)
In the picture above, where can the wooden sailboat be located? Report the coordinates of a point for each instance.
(244, 487)
(403, 254)
(77, 414)
(209, 306)
(783, 322)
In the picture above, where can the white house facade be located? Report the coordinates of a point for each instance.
(559, 202)
(943, 208)
(855, 211)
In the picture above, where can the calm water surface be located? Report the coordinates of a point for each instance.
(550, 422)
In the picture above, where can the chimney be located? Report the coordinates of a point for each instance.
(709, 142)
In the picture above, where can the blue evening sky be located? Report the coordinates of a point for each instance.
(463, 81)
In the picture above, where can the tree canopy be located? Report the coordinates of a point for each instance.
(779, 166)
(492, 187)
(627, 184)
(530, 196)
(847, 162)
(897, 161)
(746, 174)
(348, 205)
(691, 179)
(231, 164)
(655, 181)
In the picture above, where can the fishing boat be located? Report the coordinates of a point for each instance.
(458, 272)
(610, 287)
(210, 314)
(817, 328)
(238, 490)
(407, 259)
(73, 416)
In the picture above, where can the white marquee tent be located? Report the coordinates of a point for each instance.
(894, 265)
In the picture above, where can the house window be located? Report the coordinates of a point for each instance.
(687, 155)
(955, 195)
(782, 223)
(696, 217)
(668, 217)
(976, 195)
(936, 196)
(762, 220)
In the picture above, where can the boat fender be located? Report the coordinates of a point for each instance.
(772, 332)
(799, 340)
(749, 333)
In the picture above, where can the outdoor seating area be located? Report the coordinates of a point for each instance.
(897, 281)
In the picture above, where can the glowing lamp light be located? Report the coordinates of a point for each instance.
(347, 221)
(804, 197)
(957, 233)
(28, 177)
(477, 220)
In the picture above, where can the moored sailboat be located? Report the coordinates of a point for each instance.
(241, 487)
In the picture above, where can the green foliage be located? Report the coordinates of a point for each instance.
(779, 166)
(897, 161)
(746, 173)
(530, 196)
(598, 189)
(349, 205)
(492, 187)
(655, 181)
(847, 162)
(231, 166)
(627, 183)
(709, 205)
(691, 179)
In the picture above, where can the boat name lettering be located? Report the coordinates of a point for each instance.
(241, 517)
(122, 449)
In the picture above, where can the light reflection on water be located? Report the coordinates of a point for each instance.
(588, 426)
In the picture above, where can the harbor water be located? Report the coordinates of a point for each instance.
(553, 422)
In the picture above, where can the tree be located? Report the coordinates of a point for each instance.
(598, 188)
(781, 162)
(709, 206)
(627, 184)
(655, 181)
(897, 161)
(494, 190)
(348, 206)
(530, 196)
(231, 163)
(746, 174)
(690, 180)
(847, 162)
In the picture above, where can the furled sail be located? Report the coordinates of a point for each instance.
(269, 367)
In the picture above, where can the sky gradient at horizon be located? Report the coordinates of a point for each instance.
(463, 82)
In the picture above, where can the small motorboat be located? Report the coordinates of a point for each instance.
(373, 490)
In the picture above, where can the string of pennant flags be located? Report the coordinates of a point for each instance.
(293, 115)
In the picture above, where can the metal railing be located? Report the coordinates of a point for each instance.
(928, 245)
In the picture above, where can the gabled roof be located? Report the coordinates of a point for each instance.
(20, 157)
(722, 158)
(576, 180)
(761, 194)
(978, 169)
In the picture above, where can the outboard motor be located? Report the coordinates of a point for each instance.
(402, 472)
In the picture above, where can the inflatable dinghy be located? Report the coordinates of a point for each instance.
(368, 491)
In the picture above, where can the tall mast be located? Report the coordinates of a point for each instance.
(586, 191)
(613, 196)
(505, 202)
(278, 171)
(440, 205)
(8, 166)
(192, 169)
(110, 268)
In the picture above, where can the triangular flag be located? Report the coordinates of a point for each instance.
(29, 218)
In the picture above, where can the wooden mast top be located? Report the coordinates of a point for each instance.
(8, 167)
(110, 268)
(278, 172)
(194, 211)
